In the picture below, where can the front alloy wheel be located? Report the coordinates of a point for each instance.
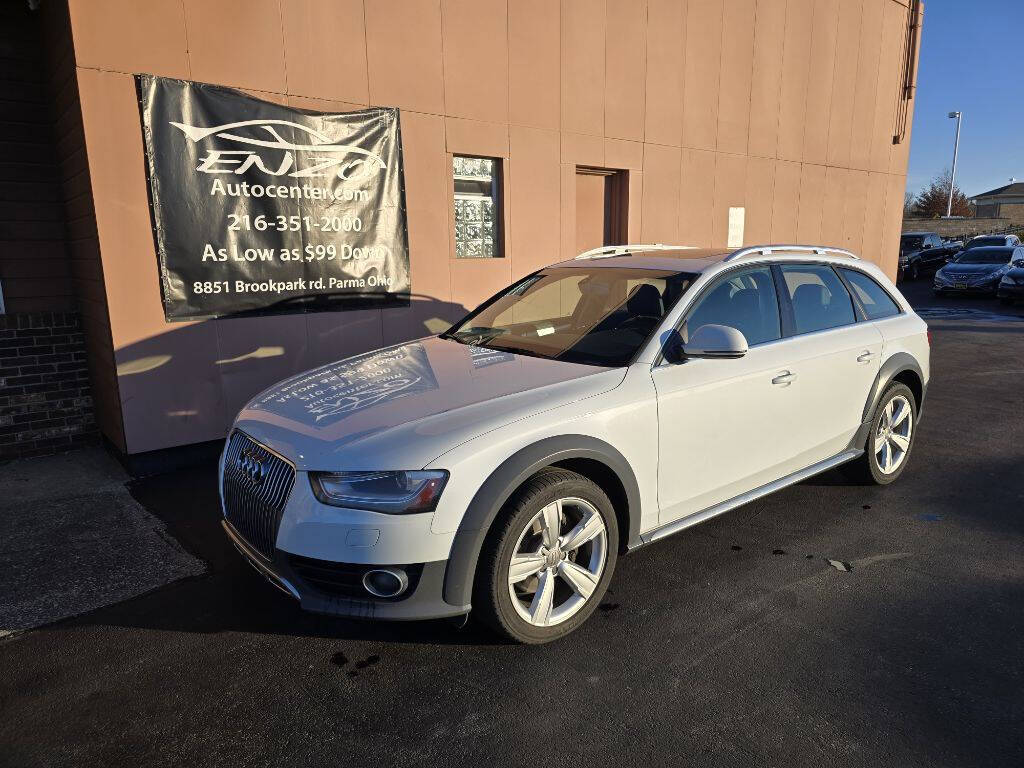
(557, 562)
(547, 559)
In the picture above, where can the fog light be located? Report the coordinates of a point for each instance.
(385, 582)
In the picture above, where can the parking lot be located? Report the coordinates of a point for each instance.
(735, 643)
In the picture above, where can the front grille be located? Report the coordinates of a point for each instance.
(256, 487)
(345, 579)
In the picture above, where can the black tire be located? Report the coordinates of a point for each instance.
(492, 603)
(866, 470)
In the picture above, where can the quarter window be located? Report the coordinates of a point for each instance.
(873, 297)
(745, 301)
(477, 207)
(818, 297)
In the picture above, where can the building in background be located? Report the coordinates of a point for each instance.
(532, 130)
(1005, 202)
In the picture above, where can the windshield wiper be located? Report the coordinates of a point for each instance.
(474, 336)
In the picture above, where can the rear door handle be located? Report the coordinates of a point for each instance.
(784, 379)
(865, 357)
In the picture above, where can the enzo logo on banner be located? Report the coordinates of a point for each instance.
(257, 206)
(329, 159)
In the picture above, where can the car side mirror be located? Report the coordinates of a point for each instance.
(715, 341)
(926, 246)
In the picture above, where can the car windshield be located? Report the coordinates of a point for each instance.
(985, 256)
(591, 315)
(911, 241)
(982, 242)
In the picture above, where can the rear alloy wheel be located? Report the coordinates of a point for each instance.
(547, 563)
(890, 439)
(891, 442)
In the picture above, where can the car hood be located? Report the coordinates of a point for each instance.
(403, 406)
(954, 269)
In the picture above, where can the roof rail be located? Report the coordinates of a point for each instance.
(765, 250)
(608, 251)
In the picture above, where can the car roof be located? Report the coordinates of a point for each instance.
(686, 259)
(995, 248)
(677, 260)
(916, 234)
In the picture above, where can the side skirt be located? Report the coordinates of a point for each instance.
(725, 506)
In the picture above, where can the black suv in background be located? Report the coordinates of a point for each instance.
(922, 251)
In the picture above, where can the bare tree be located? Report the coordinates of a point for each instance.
(931, 202)
(909, 198)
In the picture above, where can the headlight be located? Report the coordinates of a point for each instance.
(395, 493)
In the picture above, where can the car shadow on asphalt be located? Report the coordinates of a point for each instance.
(231, 595)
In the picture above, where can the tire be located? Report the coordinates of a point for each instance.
(871, 467)
(517, 610)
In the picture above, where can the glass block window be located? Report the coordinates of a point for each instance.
(477, 207)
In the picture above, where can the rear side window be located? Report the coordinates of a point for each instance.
(873, 297)
(744, 300)
(818, 297)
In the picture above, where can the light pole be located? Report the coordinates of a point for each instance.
(952, 175)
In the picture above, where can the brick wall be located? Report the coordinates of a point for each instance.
(45, 401)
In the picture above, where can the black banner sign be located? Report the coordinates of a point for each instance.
(262, 207)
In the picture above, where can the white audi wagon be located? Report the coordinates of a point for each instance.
(590, 408)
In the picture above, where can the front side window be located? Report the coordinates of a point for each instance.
(873, 297)
(591, 315)
(818, 297)
(477, 207)
(745, 301)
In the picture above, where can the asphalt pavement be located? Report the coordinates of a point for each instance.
(735, 643)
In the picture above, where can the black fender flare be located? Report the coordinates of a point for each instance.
(890, 369)
(510, 474)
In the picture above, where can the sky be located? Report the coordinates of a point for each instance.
(970, 61)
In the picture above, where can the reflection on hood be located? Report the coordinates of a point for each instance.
(404, 405)
(483, 357)
(334, 391)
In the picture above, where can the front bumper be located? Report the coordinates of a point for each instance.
(423, 600)
(987, 289)
(1008, 291)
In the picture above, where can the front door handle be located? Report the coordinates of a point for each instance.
(784, 379)
(865, 357)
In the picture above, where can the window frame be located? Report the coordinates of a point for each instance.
(498, 193)
(789, 318)
(861, 311)
(730, 274)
